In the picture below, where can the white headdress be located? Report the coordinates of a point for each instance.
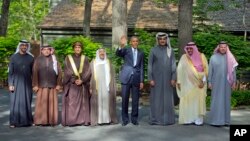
(28, 49)
(164, 35)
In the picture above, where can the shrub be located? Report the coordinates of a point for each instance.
(234, 102)
(242, 97)
(7, 48)
(208, 101)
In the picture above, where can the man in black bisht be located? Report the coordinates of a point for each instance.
(20, 86)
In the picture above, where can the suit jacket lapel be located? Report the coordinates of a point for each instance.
(138, 56)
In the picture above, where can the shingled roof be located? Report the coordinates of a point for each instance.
(141, 14)
(232, 19)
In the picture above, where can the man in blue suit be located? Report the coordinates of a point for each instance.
(131, 77)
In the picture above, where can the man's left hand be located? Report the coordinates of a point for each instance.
(35, 89)
(201, 85)
(58, 88)
(78, 82)
(173, 83)
(234, 86)
(141, 86)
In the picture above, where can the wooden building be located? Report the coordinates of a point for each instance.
(66, 19)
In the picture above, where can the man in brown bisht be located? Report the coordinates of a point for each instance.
(75, 100)
(47, 77)
(103, 90)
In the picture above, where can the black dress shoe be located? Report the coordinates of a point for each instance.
(151, 123)
(124, 123)
(135, 123)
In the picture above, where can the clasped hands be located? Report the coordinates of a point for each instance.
(78, 82)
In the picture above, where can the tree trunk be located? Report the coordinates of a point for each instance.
(32, 20)
(185, 31)
(119, 21)
(244, 20)
(4, 17)
(87, 18)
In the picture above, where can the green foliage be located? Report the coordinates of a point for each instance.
(24, 16)
(147, 41)
(7, 48)
(200, 11)
(208, 101)
(234, 102)
(242, 97)
(116, 61)
(63, 46)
